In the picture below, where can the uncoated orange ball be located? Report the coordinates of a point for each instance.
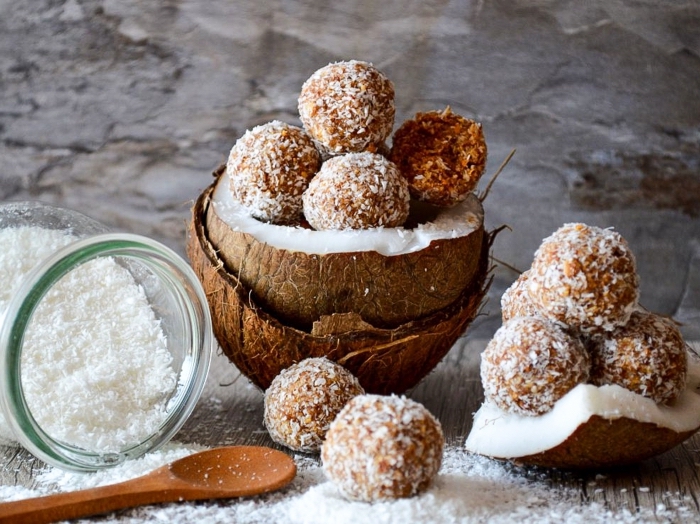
(647, 355)
(441, 154)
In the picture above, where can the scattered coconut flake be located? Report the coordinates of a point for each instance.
(469, 489)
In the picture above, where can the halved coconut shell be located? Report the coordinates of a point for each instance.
(603, 443)
(590, 427)
(298, 288)
(385, 360)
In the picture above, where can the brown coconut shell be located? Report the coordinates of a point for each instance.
(384, 359)
(606, 443)
(299, 288)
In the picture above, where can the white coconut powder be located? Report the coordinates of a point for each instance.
(96, 370)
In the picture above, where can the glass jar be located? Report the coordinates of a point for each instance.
(105, 343)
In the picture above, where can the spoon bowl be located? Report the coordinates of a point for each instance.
(227, 472)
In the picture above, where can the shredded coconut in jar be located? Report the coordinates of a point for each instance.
(96, 370)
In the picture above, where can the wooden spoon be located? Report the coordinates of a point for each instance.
(235, 471)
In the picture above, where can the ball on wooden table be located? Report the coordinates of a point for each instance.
(303, 400)
(382, 447)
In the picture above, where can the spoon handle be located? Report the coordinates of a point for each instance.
(63, 506)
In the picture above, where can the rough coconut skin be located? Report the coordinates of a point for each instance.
(529, 364)
(647, 356)
(300, 288)
(261, 344)
(441, 154)
(348, 107)
(269, 168)
(584, 277)
(356, 191)
(304, 399)
(382, 448)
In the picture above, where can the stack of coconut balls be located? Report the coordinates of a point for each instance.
(337, 173)
(573, 318)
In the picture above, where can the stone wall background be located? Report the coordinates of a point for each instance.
(122, 108)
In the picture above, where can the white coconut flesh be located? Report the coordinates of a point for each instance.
(454, 222)
(498, 434)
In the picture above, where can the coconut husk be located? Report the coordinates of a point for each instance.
(604, 443)
(299, 288)
(385, 360)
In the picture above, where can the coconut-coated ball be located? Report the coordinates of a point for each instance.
(269, 168)
(356, 191)
(348, 107)
(441, 154)
(647, 356)
(382, 447)
(515, 301)
(530, 363)
(585, 277)
(303, 400)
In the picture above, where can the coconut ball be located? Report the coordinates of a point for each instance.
(585, 277)
(348, 107)
(647, 356)
(269, 168)
(530, 363)
(441, 154)
(515, 301)
(382, 447)
(303, 400)
(356, 191)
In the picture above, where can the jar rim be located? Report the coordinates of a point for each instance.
(182, 281)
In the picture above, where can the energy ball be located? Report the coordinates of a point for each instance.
(530, 363)
(303, 400)
(585, 277)
(382, 447)
(269, 168)
(441, 154)
(356, 191)
(348, 107)
(515, 301)
(647, 356)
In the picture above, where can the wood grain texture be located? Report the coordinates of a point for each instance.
(231, 413)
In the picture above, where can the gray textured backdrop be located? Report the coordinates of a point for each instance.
(121, 109)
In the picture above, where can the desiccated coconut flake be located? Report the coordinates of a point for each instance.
(96, 369)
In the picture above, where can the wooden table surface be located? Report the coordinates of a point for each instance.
(230, 413)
